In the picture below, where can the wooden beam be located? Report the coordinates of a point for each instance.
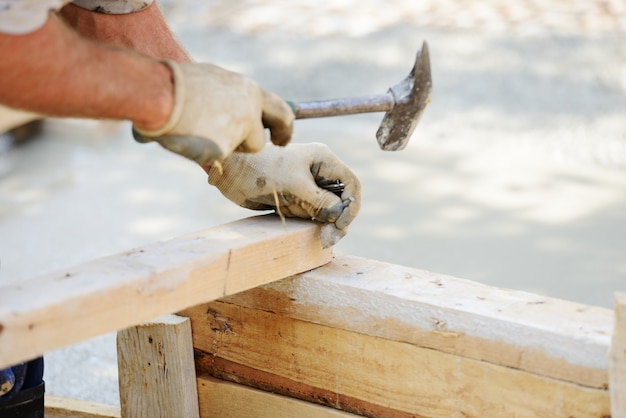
(545, 336)
(157, 375)
(373, 376)
(385, 340)
(116, 292)
(222, 399)
(56, 407)
(617, 359)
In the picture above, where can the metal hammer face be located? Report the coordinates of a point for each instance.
(411, 96)
(404, 103)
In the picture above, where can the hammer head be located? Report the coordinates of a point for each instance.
(411, 96)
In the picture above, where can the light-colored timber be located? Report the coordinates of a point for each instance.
(355, 336)
(546, 336)
(383, 340)
(157, 374)
(375, 376)
(57, 407)
(222, 399)
(617, 359)
(119, 291)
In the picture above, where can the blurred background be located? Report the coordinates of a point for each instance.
(515, 176)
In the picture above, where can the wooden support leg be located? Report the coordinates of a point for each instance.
(617, 360)
(157, 375)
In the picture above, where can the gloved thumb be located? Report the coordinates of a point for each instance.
(201, 150)
(278, 117)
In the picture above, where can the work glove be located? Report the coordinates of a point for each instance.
(12, 118)
(217, 112)
(286, 179)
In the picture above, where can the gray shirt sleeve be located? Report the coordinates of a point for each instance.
(113, 7)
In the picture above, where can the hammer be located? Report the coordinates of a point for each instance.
(403, 103)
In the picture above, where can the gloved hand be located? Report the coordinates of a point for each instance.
(285, 179)
(216, 112)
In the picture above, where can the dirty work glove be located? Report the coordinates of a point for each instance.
(286, 179)
(216, 112)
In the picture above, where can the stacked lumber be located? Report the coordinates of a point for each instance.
(353, 337)
(380, 340)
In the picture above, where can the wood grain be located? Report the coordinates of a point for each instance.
(57, 407)
(157, 375)
(119, 291)
(384, 340)
(545, 336)
(222, 399)
(373, 376)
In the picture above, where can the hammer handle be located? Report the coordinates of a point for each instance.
(346, 106)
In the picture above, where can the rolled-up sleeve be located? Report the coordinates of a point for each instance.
(18, 17)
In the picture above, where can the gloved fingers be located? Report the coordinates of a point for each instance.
(289, 180)
(288, 205)
(329, 208)
(141, 138)
(278, 117)
(328, 167)
(350, 211)
(299, 194)
(226, 108)
(254, 141)
(350, 197)
(201, 150)
(303, 201)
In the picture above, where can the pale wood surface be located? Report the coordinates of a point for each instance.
(220, 399)
(115, 292)
(371, 375)
(157, 375)
(57, 407)
(617, 360)
(545, 336)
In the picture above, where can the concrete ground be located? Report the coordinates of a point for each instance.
(515, 177)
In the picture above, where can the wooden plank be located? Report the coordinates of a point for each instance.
(57, 407)
(617, 360)
(123, 290)
(373, 376)
(546, 336)
(222, 399)
(157, 375)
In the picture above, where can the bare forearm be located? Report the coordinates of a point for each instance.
(145, 31)
(54, 71)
